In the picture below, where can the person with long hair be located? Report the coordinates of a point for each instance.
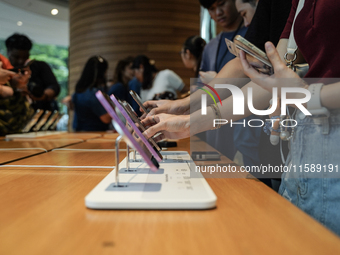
(122, 76)
(90, 115)
(191, 53)
(153, 81)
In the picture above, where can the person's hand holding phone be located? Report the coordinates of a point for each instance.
(281, 72)
(21, 79)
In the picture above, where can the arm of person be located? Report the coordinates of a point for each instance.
(198, 123)
(6, 91)
(181, 126)
(329, 94)
(232, 69)
(192, 103)
(207, 76)
(5, 75)
(233, 73)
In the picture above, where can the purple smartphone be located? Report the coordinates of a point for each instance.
(127, 107)
(122, 130)
(135, 128)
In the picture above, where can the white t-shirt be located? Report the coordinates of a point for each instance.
(165, 80)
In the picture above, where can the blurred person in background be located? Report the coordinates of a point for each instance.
(123, 81)
(90, 115)
(15, 110)
(42, 87)
(215, 56)
(156, 82)
(121, 78)
(191, 53)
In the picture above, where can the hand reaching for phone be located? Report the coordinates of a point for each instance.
(170, 126)
(151, 104)
(176, 107)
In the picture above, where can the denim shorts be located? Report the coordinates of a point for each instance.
(315, 145)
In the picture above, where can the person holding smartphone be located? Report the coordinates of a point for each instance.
(15, 110)
(43, 86)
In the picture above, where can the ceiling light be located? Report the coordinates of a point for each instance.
(19, 23)
(54, 11)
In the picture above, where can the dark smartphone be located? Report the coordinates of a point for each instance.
(138, 101)
(205, 155)
(167, 144)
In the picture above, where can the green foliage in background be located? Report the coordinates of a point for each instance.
(56, 57)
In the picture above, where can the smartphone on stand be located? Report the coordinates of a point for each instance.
(155, 153)
(123, 131)
(138, 101)
(127, 107)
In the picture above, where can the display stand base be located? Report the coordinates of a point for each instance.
(175, 186)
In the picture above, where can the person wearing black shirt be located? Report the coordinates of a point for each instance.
(42, 87)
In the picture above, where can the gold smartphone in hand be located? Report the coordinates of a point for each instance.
(256, 57)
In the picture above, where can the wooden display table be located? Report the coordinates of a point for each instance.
(43, 212)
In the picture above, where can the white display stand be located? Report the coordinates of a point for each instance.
(35, 134)
(173, 186)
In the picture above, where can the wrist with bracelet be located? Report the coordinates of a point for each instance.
(217, 113)
(314, 104)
